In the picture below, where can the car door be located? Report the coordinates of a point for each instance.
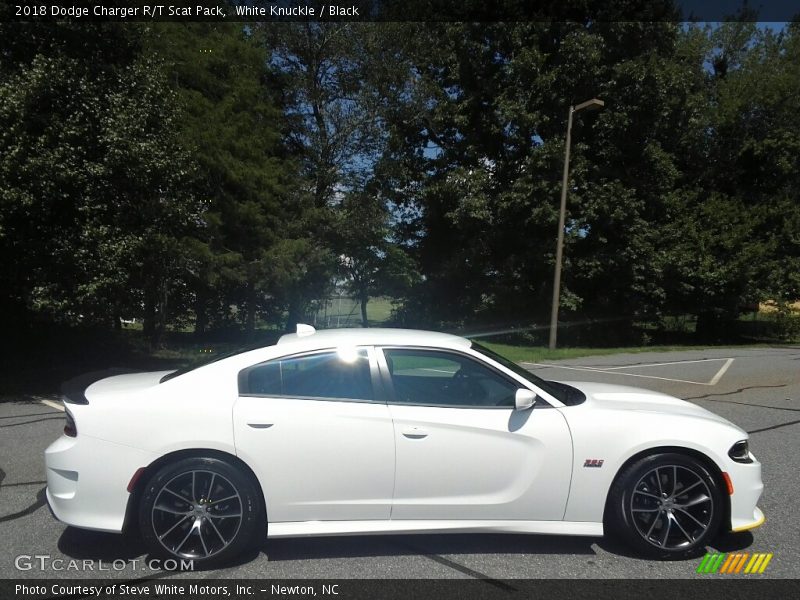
(320, 443)
(463, 452)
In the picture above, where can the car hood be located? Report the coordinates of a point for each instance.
(622, 397)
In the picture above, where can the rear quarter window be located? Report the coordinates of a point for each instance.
(321, 375)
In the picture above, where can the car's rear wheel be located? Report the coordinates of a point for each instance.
(666, 505)
(201, 509)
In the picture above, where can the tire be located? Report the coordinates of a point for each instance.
(666, 506)
(224, 518)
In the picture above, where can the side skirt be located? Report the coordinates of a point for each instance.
(322, 528)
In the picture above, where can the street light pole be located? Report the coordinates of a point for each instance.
(592, 104)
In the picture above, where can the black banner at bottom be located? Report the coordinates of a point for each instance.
(400, 589)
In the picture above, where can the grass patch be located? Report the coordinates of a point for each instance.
(346, 312)
(540, 353)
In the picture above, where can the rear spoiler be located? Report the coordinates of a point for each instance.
(74, 390)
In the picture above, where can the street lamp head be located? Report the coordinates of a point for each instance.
(593, 104)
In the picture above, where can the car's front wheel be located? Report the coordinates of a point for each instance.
(666, 505)
(201, 509)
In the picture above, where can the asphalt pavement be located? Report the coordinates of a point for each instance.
(756, 388)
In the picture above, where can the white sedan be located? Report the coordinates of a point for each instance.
(363, 431)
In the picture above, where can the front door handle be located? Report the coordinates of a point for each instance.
(415, 433)
(260, 425)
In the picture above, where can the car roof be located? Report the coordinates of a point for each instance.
(329, 338)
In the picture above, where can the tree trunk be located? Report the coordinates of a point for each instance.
(294, 317)
(161, 316)
(200, 315)
(250, 318)
(364, 299)
(703, 327)
(148, 323)
(712, 327)
(155, 314)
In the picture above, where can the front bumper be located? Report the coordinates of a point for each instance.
(87, 481)
(758, 522)
(747, 489)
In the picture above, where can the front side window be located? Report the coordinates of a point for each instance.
(340, 374)
(439, 378)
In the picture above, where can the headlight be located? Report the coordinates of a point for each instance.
(740, 452)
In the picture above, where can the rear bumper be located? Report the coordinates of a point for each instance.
(87, 481)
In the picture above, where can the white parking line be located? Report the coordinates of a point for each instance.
(51, 404)
(645, 365)
(614, 370)
(721, 372)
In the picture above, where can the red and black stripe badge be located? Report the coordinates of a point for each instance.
(593, 462)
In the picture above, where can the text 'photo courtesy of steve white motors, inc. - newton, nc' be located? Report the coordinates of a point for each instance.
(156, 11)
(162, 590)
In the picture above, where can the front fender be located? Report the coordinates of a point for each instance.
(615, 438)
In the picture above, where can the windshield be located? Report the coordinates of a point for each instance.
(562, 392)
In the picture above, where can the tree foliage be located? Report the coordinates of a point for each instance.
(231, 124)
(224, 175)
(657, 224)
(93, 201)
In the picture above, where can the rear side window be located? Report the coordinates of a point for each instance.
(335, 374)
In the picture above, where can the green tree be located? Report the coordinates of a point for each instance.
(680, 191)
(92, 200)
(370, 260)
(735, 236)
(231, 123)
(333, 76)
(480, 145)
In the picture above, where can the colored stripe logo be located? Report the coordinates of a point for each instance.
(734, 563)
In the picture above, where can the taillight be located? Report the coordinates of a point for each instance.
(69, 427)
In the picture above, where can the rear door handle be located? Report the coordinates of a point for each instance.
(415, 433)
(260, 425)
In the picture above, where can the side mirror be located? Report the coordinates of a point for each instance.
(524, 399)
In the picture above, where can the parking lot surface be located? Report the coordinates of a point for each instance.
(756, 388)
